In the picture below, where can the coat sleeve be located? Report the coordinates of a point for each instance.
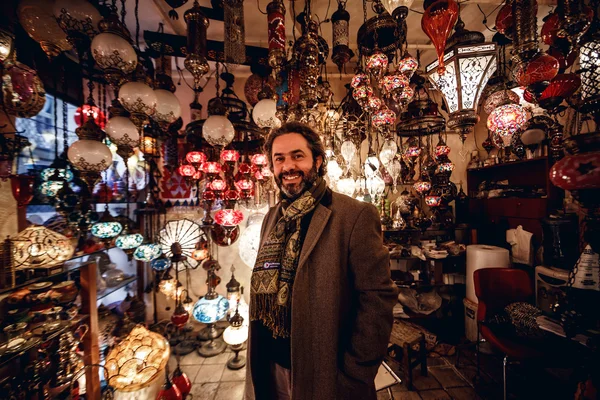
(374, 296)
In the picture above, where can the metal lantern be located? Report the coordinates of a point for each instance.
(469, 63)
(77, 17)
(37, 19)
(340, 22)
(589, 60)
(197, 25)
(397, 8)
(276, 22)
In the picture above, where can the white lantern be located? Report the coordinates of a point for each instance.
(235, 335)
(388, 151)
(168, 108)
(371, 166)
(264, 114)
(218, 130)
(376, 185)
(90, 155)
(77, 15)
(112, 52)
(346, 185)
(397, 8)
(348, 151)
(122, 132)
(333, 170)
(138, 98)
(250, 240)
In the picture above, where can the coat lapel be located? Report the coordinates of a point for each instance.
(315, 229)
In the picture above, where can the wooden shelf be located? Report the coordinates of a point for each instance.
(508, 164)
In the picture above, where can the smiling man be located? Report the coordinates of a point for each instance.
(321, 295)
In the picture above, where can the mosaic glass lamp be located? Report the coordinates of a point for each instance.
(160, 264)
(37, 246)
(147, 252)
(107, 228)
(211, 308)
(129, 241)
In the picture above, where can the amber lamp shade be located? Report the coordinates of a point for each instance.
(22, 188)
(560, 88)
(437, 23)
(541, 69)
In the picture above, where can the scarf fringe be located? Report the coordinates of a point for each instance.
(275, 317)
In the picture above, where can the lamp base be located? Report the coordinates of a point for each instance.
(237, 362)
(185, 347)
(210, 332)
(212, 348)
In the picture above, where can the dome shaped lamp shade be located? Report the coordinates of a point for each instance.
(137, 360)
(37, 246)
(23, 87)
(160, 264)
(147, 252)
(507, 120)
(106, 229)
(114, 55)
(129, 241)
(560, 88)
(90, 155)
(230, 156)
(139, 99)
(210, 310)
(77, 17)
(218, 131)
(235, 336)
(37, 18)
(122, 132)
(437, 23)
(229, 217)
(259, 159)
(264, 114)
(168, 108)
(397, 8)
(195, 157)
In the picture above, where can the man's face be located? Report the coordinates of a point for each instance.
(293, 166)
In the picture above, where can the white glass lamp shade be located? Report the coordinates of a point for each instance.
(589, 59)
(137, 360)
(334, 171)
(371, 166)
(218, 131)
(468, 68)
(168, 108)
(147, 252)
(209, 311)
(77, 15)
(391, 5)
(388, 151)
(37, 246)
(138, 98)
(112, 52)
(37, 18)
(129, 241)
(235, 335)
(249, 242)
(264, 113)
(346, 186)
(90, 155)
(348, 150)
(122, 132)
(376, 185)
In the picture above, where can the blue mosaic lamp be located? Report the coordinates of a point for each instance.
(50, 188)
(147, 252)
(211, 308)
(107, 227)
(56, 174)
(160, 264)
(129, 241)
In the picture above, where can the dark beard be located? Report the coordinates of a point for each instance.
(292, 192)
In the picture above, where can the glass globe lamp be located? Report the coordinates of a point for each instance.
(113, 53)
(259, 159)
(264, 114)
(195, 157)
(77, 16)
(334, 171)
(229, 217)
(168, 287)
(384, 119)
(408, 65)
(376, 185)
(64, 174)
(160, 264)
(210, 309)
(371, 165)
(422, 187)
(106, 229)
(37, 246)
(507, 120)
(249, 243)
(147, 252)
(348, 150)
(346, 185)
(186, 170)
(37, 18)
(122, 132)
(235, 335)
(129, 241)
(90, 155)
(230, 156)
(168, 108)
(139, 99)
(218, 130)
(388, 151)
(377, 64)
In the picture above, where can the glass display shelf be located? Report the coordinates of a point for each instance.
(112, 289)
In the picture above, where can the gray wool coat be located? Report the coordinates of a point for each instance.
(342, 304)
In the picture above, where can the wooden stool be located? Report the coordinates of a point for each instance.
(405, 344)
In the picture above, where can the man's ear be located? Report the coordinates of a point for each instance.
(318, 162)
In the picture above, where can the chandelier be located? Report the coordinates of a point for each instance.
(469, 63)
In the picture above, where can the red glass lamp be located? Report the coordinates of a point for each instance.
(183, 383)
(560, 88)
(22, 188)
(422, 187)
(229, 217)
(437, 23)
(212, 168)
(86, 111)
(259, 159)
(377, 64)
(195, 157)
(507, 120)
(360, 79)
(433, 200)
(186, 170)
(230, 156)
(536, 74)
(217, 185)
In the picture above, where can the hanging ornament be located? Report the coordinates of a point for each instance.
(437, 23)
(276, 31)
(37, 18)
(197, 25)
(22, 90)
(377, 64)
(235, 36)
(506, 121)
(340, 21)
(77, 17)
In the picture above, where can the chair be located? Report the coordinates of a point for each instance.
(385, 379)
(495, 289)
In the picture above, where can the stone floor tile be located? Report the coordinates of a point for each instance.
(233, 375)
(192, 359)
(448, 377)
(424, 382)
(412, 395)
(210, 373)
(218, 359)
(204, 391)
(463, 393)
(230, 391)
(436, 361)
(435, 394)
(190, 370)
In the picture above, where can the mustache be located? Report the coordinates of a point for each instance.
(288, 173)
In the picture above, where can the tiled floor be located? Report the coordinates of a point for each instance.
(212, 380)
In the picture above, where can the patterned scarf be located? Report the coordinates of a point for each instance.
(275, 268)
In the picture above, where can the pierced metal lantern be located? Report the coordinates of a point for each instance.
(469, 63)
(276, 21)
(340, 23)
(197, 25)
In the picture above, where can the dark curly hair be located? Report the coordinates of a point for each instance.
(314, 142)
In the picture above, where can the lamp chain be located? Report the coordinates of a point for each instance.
(65, 112)
(123, 11)
(55, 106)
